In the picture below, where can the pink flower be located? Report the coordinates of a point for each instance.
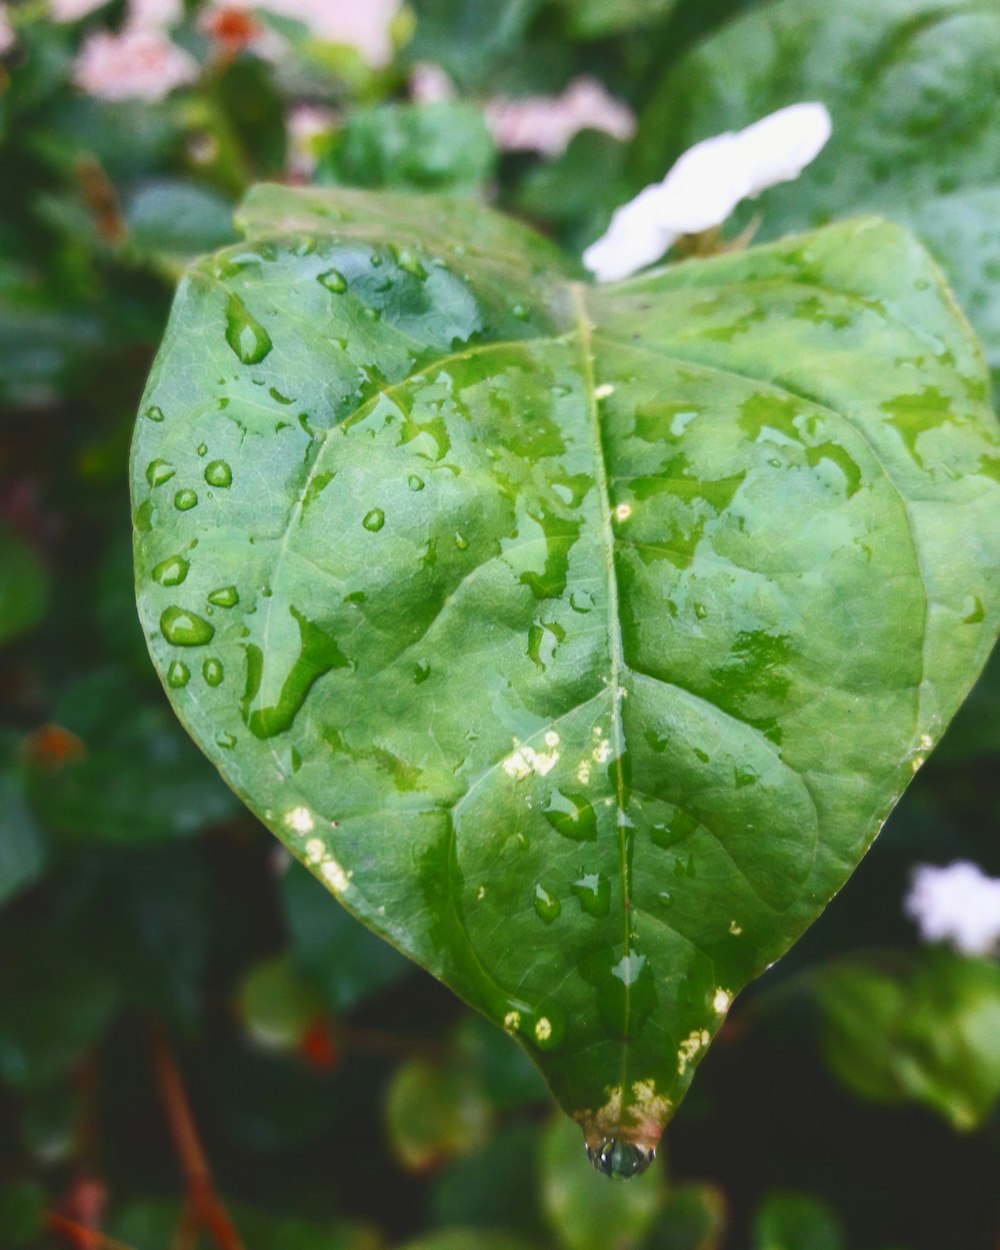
(305, 123)
(430, 84)
(7, 39)
(137, 64)
(547, 123)
(73, 10)
(362, 24)
(155, 14)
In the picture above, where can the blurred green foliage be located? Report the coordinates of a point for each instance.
(344, 1100)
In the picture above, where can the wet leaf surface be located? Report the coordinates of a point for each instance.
(578, 640)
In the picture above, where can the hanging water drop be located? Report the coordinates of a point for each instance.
(620, 1160)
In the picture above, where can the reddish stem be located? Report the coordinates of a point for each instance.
(206, 1206)
(79, 1237)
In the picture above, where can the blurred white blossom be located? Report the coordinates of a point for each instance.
(139, 63)
(7, 39)
(73, 10)
(958, 904)
(546, 124)
(705, 185)
(430, 84)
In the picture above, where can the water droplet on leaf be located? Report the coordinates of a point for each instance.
(185, 629)
(374, 520)
(547, 905)
(172, 571)
(159, 471)
(218, 473)
(185, 500)
(212, 672)
(247, 337)
(178, 675)
(334, 281)
(572, 816)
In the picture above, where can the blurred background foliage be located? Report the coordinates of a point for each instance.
(176, 996)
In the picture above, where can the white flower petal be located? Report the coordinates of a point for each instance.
(704, 186)
(779, 146)
(958, 904)
(635, 238)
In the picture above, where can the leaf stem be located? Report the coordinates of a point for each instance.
(206, 1206)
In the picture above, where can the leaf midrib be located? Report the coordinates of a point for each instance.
(616, 646)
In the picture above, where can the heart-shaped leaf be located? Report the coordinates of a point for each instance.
(579, 640)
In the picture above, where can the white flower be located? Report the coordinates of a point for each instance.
(7, 39)
(958, 904)
(136, 64)
(546, 124)
(705, 185)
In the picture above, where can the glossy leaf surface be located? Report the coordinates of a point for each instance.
(579, 641)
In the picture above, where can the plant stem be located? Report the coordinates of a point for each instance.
(78, 1236)
(206, 1206)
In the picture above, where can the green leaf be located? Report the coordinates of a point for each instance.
(434, 1112)
(55, 1003)
(579, 640)
(470, 39)
(277, 1007)
(693, 1218)
(596, 19)
(136, 779)
(586, 1213)
(343, 959)
(22, 844)
(170, 221)
(497, 1187)
(429, 147)
(24, 587)
(463, 1238)
(793, 1221)
(909, 87)
(925, 1031)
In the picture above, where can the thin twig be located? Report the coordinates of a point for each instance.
(206, 1206)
